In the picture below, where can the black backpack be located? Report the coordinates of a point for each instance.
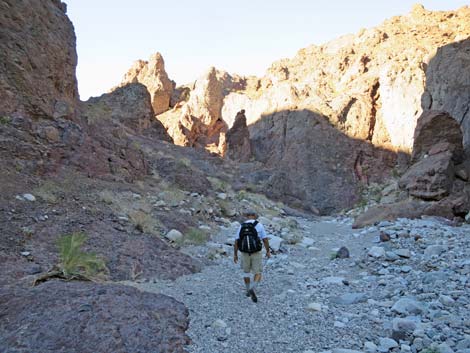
(249, 240)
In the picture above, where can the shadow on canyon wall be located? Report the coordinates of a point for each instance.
(448, 84)
(311, 164)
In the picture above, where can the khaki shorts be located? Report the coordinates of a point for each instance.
(252, 262)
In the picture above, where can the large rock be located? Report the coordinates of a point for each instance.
(436, 132)
(86, 317)
(448, 81)
(38, 56)
(198, 122)
(127, 105)
(431, 178)
(238, 139)
(152, 74)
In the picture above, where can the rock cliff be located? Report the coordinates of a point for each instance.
(38, 59)
(152, 74)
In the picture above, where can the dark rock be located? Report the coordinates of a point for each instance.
(72, 316)
(343, 253)
(384, 237)
(238, 139)
(38, 56)
(430, 178)
(436, 131)
(129, 105)
(33, 270)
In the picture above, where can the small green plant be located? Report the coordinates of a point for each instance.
(4, 120)
(48, 191)
(333, 256)
(75, 263)
(196, 236)
(242, 194)
(144, 222)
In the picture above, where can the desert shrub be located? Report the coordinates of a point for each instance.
(218, 184)
(144, 222)
(195, 236)
(4, 120)
(75, 263)
(48, 191)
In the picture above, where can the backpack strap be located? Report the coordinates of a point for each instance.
(255, 223)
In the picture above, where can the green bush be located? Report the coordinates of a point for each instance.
(195, 236)
(75, 262)
(4, 120)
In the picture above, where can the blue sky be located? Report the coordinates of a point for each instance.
(243, 36)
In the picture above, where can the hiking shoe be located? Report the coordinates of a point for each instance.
(253, 295)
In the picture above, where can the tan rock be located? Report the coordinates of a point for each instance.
(152, 74)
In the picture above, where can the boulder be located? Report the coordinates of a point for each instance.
(430, 178)
(437, 131)
(76, 314)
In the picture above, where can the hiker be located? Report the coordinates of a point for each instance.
(249, 239)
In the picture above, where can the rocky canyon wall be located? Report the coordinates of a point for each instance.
(37, 59)
(369, 87)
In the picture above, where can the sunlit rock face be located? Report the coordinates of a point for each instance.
(152, 74)
(334, 116)
(372, 85)
(38, 59)
(375, 84)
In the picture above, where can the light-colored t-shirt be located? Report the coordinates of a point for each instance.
(259, 228)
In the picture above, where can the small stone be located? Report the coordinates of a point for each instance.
(343, 253)
(222, 195)
(29, 197)
(344, 350)
(445, 348)
(219, 324)
(25, 253)
(339, 324)
(386, 344)
(407, 306)
(384, 237)
(435, 250)
(405, 269)
(403, 253)
(349, 298)
(333, 280)
(391, 256)
(376, 251)
(34, 270)
(446, 300)
(160, 203)
(314, 307)
(370, 347)
(174, 235)
(406, 325)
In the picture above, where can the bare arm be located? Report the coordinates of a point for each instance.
(235, 251)
(266, 246)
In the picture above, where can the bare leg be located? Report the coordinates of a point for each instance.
(247, 283)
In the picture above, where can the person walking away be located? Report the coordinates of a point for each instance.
(249, 239)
